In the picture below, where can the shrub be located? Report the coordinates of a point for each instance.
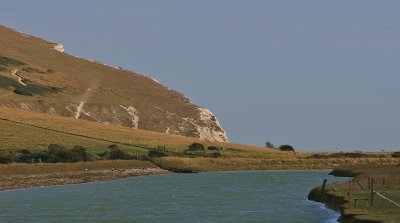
(32, 70)
(216, 155)
(27, 156)
(81, 154)
(116, 153)
(6, 82)
(213, 148)
(58, 153)
(9, 61)
(287, 148)
(343, 155)
(396, 155)
(22, 91)
(156, 153)
(33, 89)
(7, 157)
(196, 147)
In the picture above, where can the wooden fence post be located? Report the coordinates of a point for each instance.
(350, 187)
(372, 192)
(369, 183)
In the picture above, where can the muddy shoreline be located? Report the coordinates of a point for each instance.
(18, 176)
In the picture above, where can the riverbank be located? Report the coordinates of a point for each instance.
(22, 175)
(372, 194)
(17, 176)
(202, 164)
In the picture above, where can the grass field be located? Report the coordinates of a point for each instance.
(29, 130)
(361, 200)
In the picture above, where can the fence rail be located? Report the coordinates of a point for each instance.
(366, 190)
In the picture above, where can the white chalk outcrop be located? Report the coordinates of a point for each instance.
(59, 47)
(212, 130)
(79, 109)
(14, 74)
(133, 115)
(155, 80)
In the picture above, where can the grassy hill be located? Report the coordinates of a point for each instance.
(34, 76)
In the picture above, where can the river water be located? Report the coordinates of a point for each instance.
(244, 196)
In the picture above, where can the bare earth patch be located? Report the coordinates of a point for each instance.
(9, 180)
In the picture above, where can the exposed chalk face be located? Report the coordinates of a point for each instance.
(59, 47)
(79, 109)
(133, 114)
(212, 130)
(155, 80)
(14, 74)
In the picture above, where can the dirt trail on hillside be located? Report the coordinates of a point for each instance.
(85, 98)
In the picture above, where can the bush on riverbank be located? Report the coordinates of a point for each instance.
(343, 155)
(157, 153)
(115, 153)
(60, 154)
(6, 157)
(57, 153)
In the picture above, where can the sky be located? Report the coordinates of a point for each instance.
(318, 75)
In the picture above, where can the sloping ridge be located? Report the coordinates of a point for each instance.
(39, 76)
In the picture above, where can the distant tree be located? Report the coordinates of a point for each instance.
(287, 148)
(269, 145)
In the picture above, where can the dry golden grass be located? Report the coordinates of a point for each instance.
(22, 129)
(180, 164)
(159, 107)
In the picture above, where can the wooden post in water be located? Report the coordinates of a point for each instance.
(323, 185)
(323, 189)
(372, 192)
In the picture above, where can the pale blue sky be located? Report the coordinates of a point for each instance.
(319, 75)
